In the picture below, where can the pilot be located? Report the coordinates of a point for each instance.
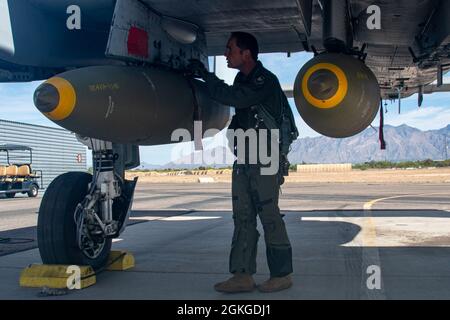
(253, 193)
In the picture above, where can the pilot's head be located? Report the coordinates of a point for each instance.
(242, 48)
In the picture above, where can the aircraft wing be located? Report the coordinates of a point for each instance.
(412, 43)
(280, 26)
(413, 40)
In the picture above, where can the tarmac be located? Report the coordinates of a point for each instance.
(350, 241)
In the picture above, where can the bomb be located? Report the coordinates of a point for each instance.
(132, 105)
(337, 95)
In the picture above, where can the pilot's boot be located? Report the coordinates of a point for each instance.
(275, 284)
(239, 282)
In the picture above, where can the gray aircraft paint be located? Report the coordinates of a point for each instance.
(38, 26)
(6, 36)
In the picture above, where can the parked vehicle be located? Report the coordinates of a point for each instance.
(17, 175)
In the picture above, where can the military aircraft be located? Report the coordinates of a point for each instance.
(115, 71)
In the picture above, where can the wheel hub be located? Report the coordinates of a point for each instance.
(92, 240)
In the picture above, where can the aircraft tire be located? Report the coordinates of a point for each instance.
(56, 226)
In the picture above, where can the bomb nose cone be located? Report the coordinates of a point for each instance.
(337, 95)
(46, 98)
(56, 98)
(323, 84)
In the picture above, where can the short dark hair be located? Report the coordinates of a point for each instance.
(246, 41)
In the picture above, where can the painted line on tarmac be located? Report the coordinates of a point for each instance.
(370, 260)
(368, 205)
(370, 252)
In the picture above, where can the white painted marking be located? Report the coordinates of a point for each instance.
(368, 205)
(206, 180)
(176, 218)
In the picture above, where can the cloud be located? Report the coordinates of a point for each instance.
(223, 72)
(159, 155)
(445, 80)
(429, 118)
(16, 104)
(286, 69)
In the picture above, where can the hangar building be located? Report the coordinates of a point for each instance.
(55, 150)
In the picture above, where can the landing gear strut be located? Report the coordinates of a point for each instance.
(81, 213)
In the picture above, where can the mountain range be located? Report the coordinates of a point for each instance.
(403, 143)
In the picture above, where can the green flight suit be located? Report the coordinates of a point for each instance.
(254, 194)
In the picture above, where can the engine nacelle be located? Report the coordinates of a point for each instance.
(130, 105)
(337, 95)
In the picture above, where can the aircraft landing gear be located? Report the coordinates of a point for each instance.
(80, 213)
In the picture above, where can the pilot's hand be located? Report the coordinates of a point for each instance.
(196, 68)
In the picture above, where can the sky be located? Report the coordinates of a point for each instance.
(16, 104)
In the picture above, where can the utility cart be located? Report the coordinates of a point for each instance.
(16, 173)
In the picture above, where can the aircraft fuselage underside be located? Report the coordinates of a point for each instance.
(413, 41)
